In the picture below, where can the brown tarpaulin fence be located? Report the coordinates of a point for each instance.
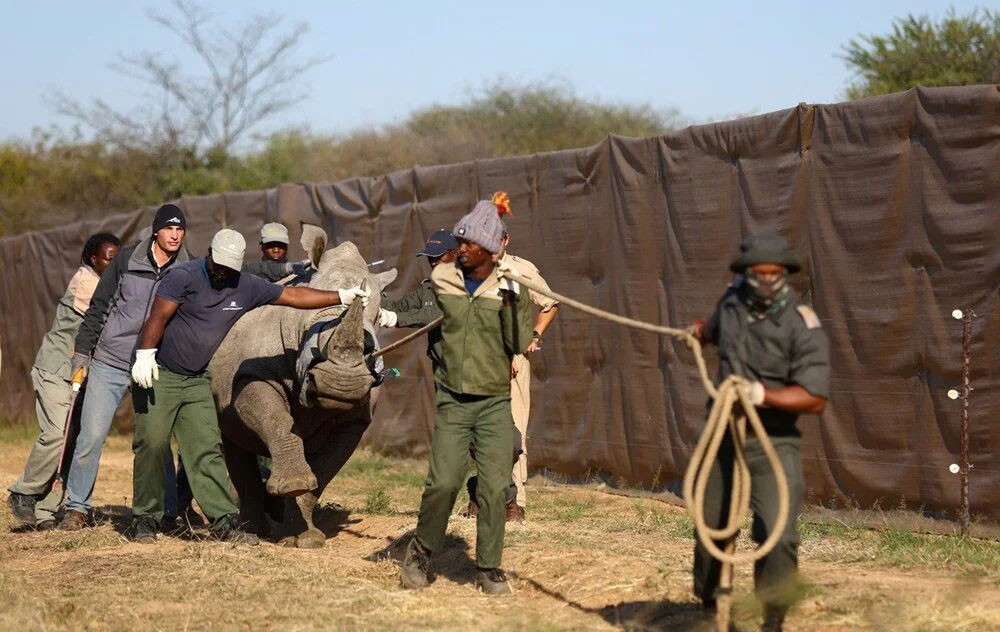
(891, 203)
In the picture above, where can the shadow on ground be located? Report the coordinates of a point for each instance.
(452, 561)
(633, 615)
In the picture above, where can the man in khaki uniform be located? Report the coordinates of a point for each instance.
(33, 499)
(520, 380)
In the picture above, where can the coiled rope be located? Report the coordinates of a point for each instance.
(721, 420)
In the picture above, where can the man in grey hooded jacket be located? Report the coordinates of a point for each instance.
(105, 347)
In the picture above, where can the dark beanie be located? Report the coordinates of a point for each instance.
(168, 215)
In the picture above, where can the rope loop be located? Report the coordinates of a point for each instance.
(731, 410)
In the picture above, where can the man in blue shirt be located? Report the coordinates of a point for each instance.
(196, 305)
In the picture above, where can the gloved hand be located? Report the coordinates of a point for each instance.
(298, 268)
(756, 392)
(144, 371)
(387, 318)
(80, 361)
(348, 296)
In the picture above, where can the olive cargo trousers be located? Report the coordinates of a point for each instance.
(485, 423)
(182, 405)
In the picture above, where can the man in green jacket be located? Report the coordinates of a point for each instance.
(33, 501)
(486, 323)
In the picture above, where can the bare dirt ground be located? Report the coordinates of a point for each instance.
(583, 561)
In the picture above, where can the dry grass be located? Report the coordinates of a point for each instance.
(584, 560)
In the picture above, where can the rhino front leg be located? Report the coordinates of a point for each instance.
(338, 447)
(265, 411)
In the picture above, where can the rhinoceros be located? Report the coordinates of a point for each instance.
(257, 380)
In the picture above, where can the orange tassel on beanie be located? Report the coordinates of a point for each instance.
(502, 200)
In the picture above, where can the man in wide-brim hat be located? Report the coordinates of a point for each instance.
(764, 335)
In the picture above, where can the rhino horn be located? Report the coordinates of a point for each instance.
(346, 344)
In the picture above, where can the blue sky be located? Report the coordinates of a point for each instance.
(709, 60)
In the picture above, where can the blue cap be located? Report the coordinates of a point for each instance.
(439, 243)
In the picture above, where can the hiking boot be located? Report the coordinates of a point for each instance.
(413, 573)
(492, 582)
(73, 521)
(515, 513)
(144, 529)
(472, 510)
(23, 508)
(774, 619)
(46, 525)
(173, 526)
(189, 517)
(228, 529)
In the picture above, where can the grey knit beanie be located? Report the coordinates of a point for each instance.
(483, 225)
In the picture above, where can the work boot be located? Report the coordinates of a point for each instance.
(515, 513)
(492, 582)
(173, 526)
(144, 529)
(228, 529)
(413, 573)
(189, 517)
(169, 524)
(23, 508)
(46, 525)
(73, 521)
(774, 619)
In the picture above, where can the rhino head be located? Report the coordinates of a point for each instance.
(342, 378)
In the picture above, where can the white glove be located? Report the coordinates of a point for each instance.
(144, 371)
(348, 295)
(387, 318)
(756, 393)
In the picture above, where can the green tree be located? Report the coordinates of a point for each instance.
(958, 50)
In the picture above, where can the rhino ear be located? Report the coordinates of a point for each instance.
(313, 242)
(385, 278)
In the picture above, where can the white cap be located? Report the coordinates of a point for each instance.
(228, 247)
(274, 232)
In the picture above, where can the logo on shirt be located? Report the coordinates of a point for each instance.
(233, 307)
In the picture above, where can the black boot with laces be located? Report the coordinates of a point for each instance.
(228, 529)
(492, 581)
(144, 529)
(413, 573)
